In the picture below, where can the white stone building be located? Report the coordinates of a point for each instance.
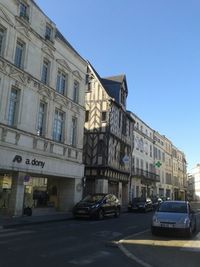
(194, 183)
(144, 177)
(159, 162)
(42, 93)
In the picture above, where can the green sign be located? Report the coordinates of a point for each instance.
(158, 164)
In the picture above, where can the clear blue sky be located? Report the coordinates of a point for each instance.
(156, 43)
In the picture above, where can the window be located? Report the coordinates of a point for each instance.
(13, 107)
(2, 40)
(76, 91)
(23, 11)
(61, 83)
(124, 124)
(100, 147)
(19, 54)
(86, 115)
(150, 150)
(89, 86)
(103, 116)
(119, 119)
(41, 119)
(73, 131)
(45, 71)
(58, 126)
(123, 99)
(48, 32)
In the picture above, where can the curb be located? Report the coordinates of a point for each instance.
(6, 226)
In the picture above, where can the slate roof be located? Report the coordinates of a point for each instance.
(113, 85)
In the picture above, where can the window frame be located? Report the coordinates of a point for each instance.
(76, 88)
(45, 76)
(19, 54)
(48, 32)
(58, 124)
(61, 76)
(3, 39)
(13, 107)
(73, 135)
(41, 122)
(24, 10)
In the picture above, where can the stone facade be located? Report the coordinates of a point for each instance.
(42, 89)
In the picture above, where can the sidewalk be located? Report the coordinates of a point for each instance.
(9, 222)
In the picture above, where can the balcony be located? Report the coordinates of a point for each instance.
(151, 176)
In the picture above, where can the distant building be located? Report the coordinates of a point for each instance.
(143, 176)
(194, 183)
(42, 92)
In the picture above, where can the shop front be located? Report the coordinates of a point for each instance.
(41, 184)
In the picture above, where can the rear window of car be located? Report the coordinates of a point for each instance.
(173, 207)
(93, 198)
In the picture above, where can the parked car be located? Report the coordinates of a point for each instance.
(97, 206)
(174, 216)
(140, 204)
(156, 202)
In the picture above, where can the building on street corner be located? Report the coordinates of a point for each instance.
(107, 136)
(42, 91)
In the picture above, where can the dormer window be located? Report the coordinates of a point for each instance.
(123, 98)
(48, 32)
(24, 11)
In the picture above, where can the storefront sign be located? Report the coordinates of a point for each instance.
(33, 162)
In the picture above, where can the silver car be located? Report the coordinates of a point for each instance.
(174, 216)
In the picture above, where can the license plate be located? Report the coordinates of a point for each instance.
(81, 211)
(167, 225)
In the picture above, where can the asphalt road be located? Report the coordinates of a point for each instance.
(80, 243)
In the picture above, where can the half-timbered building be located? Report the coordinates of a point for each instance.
(107, 135)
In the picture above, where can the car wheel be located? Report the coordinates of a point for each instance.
(189, 232)
(100, 214)
(153, 231)
(195, 227)
(117, 212)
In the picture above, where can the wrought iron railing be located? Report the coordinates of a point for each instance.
(146, 174)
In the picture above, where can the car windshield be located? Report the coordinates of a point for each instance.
(173, 207)
(92, 198)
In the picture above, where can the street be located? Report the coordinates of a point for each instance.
(124, 241)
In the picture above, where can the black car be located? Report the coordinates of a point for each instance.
(140, 204)
(97, 206)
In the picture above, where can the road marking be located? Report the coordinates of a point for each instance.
(191, 247)
(91, 258)
(16, 233)
(131, 255)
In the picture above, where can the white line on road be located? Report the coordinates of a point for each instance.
(131, 255)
